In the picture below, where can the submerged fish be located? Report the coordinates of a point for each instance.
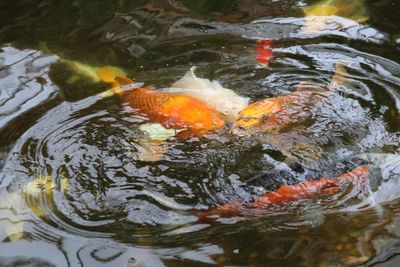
(319, 15)
(263, 51)
(287, 193)
(108, 74)
(37, 196)
(355, 9)
(386, 186)
(174, 111)
(276, 114)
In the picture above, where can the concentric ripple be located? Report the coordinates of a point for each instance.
(86, 171)
(98, 150)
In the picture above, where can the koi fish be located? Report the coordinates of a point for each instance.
(276, 114)
(354, 10)
(387, 168)
(30, 198)
(287, 194)
(108, 74)
(263, 51)
(174, 111)
(317, 15)
(178, 111)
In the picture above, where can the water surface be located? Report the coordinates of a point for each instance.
(108, 207)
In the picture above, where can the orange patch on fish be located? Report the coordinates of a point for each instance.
(276, 113)
(175, 111)
(288, 193)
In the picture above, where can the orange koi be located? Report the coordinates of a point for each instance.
(276, 113)
(288, 193)
(172, 110)
(263, 51)
(175, 111)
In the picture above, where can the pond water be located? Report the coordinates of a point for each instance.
(75, 189)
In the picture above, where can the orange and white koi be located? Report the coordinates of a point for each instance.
(174, 111)
(171, 110)
(211, 93)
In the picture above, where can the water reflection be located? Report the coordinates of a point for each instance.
(25, 83)
(119, 205)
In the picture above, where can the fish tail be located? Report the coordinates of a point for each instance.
(120, 90)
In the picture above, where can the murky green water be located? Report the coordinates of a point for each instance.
(103, 206)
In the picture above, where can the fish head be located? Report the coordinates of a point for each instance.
(113, 75)
(254, 114)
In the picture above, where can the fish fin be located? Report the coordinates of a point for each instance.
(339, 76)
(151, 151)
(110, 92)
(157, 132)
(113, 91)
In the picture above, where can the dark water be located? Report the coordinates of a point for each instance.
(103, 206)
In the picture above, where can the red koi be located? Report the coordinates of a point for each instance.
(264, 51)
(287, 194)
